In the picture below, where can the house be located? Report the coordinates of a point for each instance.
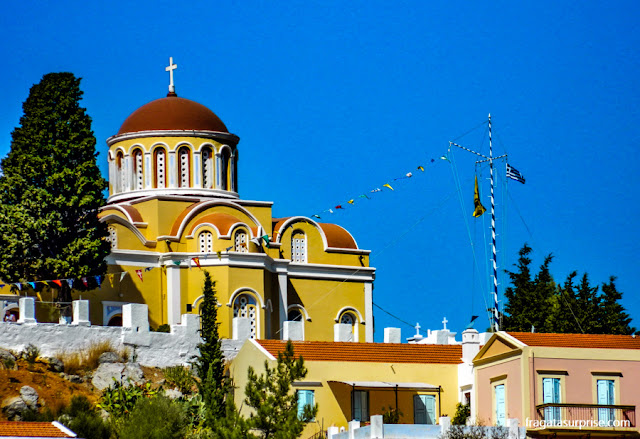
(35, 430)
(353, 381)
(573, 385)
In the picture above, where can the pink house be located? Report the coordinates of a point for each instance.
(571, 385)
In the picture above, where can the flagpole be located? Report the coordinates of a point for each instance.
(494, 263)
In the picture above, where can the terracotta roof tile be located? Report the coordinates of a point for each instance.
(30, 429)
(369, 352)
(591, 341)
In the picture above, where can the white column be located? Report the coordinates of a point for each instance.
(112, 175)
(135, 316)
(172, 171)
(128, 181)
(282, 303)
(197, 169)
(173, 294)
(218, 166)
(368, 311)
(27, 311)
(148, 171)
(81, 313)
(232, 172)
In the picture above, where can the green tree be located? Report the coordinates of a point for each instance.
(275, 406)
(155, 418)
(51, 190)
(213, 385)
(613, 317)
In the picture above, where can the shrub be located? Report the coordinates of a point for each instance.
(119, 399)
(83, 419)
(391, 415)
(164, 328)
(31, 353)
(463, 411)
(155, 418)
(179, 377)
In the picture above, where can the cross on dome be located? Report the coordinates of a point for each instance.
(444, 323)
(170, 68)
(417, 328)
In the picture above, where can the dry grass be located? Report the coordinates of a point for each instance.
(87, 359)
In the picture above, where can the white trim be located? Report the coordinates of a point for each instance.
(215, 135)
(349, 308)
(368, 311)
(174, 294)
(111, 218)
(300, 307)
(168, 191)
(63, 429)
(241, 290)
(134, 146)
(294, 219)
(263, 350)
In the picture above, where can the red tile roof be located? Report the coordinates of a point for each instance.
(369, 352)
(591, 341)
(31, 429)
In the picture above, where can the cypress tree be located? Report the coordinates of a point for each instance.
(51, 190)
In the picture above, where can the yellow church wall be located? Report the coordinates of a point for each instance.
(160, 215)
(262, 214)
(323, 300)
(334, 398)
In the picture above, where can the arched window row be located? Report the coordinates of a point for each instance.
(139, 170)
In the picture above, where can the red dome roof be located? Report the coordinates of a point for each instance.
(172, 113)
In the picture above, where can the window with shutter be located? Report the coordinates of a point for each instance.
(184, 158)
(137, 170)
(305, 398)
(606, 396)
(424, 409)
(360, 405)
(551, 395)
(207, 168)
(500, 405)
(205, 241)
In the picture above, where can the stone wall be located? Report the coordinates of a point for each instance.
(154, 349)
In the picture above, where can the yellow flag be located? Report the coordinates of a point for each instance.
(388, 185)
(479, 208)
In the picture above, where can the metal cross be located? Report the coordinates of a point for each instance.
(444, 323)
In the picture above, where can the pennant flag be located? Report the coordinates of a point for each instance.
(229, 248)
(387, 185)
(58, 282)
(33, 285)
(19, 286)
(409, 175)
(513, 174)
(3, 285)
(330, 211)
(364, 196)
(70, 282)
(110, 277)
(257, 241)
(339, 206)
(197, 261)
(316, 216)
(432, 160)
(177, 262)
(421, 168)
(376, 190)
(84, 281)
(122, 275)
(98, 280)
(219, 253)
(479, 208)
(139, 273)
(351, 201)
(470, 325)
(148, 269)
(266, 239)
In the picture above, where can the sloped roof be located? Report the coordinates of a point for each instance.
(33, 429)
(590, 341)
(368, 352)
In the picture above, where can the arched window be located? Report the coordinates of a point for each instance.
(205, 240)
(224, 171)
(137, 170)
(120, 175)
(245, 306)
(184, 170)
(207, 168)
(160, 159)
(298, 247)
(241, 243)
(349, 318)
(112, 237)
(295, 315)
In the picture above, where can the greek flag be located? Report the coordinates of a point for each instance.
(514, 174)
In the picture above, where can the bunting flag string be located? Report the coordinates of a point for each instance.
(352, 201)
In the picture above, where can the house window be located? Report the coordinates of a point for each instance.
(245, 306)
(137, 170)
(205, 241)
(551, 395)
(207, 168)
(305, 398)
(161, 168)
(184, 157)
(499, 398)
(112, 237)
(424, 409)
(241, 245)
(298, 247)
(360, 405)
(606, 396)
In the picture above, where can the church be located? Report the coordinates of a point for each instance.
(174, 212)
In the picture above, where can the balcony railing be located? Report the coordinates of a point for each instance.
(585, 416)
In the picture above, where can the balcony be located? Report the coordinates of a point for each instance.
(596, 418)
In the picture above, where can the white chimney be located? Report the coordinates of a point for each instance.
(392, 335)
(470, 344)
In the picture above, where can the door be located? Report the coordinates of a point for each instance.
(424, 409)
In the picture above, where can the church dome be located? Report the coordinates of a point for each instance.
(172, 113)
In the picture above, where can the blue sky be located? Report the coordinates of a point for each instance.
(333, 99)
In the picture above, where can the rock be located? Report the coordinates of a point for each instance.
(173, 393)
(6, 355)
(105, 374)
(54, 364)
(109, 357)
(13, 408)
(29, 396)
(76, 379)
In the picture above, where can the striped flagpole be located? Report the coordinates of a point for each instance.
(496, 319)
